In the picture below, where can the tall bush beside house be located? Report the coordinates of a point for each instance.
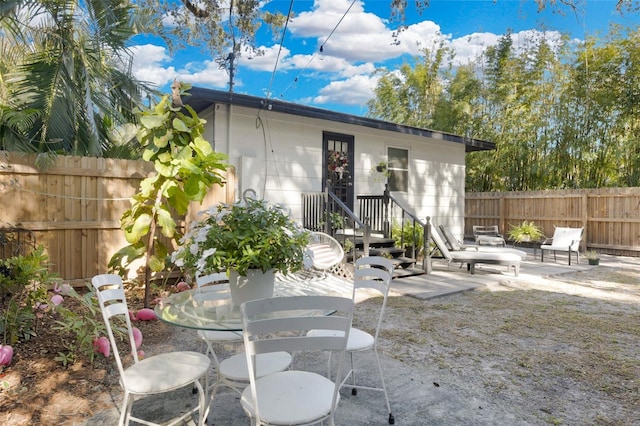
(186, 167)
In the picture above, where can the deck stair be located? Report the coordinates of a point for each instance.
(380, 246)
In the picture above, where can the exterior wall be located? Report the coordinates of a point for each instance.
(280, 155)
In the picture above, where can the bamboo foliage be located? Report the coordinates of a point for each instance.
(562, 115)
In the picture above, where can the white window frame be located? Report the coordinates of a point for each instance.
(398, 169)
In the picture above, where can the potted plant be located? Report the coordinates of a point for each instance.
(409, 237)
(251, 240)
(592, 257)
(526, 231)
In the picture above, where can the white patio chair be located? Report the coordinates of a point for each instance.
(372, 273)
(211, 337)
(152, 375)
(293, 397)
(233, 372)
(326, 251)
(564, 239)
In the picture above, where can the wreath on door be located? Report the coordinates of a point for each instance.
(338, 164)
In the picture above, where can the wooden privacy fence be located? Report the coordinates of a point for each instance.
(610, 216)
(73, 207)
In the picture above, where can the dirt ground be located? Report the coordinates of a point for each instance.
(560, 351)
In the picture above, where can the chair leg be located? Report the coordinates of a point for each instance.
(203, 410)
(125, 411)
(392, 420)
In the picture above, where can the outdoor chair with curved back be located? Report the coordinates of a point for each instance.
(296, 396)
(233, 372)
(152, 375)
(326, 251)
(371, 273)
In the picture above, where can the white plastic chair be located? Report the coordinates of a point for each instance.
(152, 375)
(373, 273)
(293, 397)
(233, 371)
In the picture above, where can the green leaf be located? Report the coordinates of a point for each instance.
(156, 264)
(180, 126)
(152, 121)
(166, 222)
(140, 228)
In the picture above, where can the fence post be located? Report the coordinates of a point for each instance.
(585, 218)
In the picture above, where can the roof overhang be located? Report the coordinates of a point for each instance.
(202, 99)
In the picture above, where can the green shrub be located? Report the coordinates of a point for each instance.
(408, 235)
(84, 324)
(23, 288)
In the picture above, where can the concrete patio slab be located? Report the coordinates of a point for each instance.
(417, 396)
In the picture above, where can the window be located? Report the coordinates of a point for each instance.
(398, 167)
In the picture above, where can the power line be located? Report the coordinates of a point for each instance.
(275, 66)
(321, 49)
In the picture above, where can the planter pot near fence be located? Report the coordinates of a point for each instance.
(255, 285)
(594, 261)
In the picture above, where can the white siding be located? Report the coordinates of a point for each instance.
(280, 156)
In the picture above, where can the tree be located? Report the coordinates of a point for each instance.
(186, 167)
(68, 76)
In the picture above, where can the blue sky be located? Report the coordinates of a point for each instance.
(355, 44)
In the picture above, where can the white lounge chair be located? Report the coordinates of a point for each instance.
(471, 257)
(564, 239)
(455, 245)
(488, 235)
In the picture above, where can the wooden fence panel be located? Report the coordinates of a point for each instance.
(610, 216)
(74, 206)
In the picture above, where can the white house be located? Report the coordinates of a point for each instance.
(282, 149)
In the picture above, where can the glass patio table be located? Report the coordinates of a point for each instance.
(211, 307)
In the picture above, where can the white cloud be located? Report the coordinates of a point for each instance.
(356, 90)
(147, 64)
(360, 43)
(207, 73)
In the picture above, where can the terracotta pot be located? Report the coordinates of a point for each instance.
(255, 285)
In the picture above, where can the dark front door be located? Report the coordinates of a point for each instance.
(338, 165)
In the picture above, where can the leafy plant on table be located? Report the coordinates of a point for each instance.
(252, 234)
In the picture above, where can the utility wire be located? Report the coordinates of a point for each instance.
(295, 80)
(275, 66)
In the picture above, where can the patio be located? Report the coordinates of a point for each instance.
(417, 395)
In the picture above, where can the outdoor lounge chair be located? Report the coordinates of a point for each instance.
(471, 257)
(455, 245)
(564, 239)
(488, 235)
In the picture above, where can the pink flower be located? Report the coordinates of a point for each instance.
(57, 299)
(6, 355)
(182, 286)
(101, 345)
(65, 289)
(144, 314)
(140, 354)
(137, 337)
